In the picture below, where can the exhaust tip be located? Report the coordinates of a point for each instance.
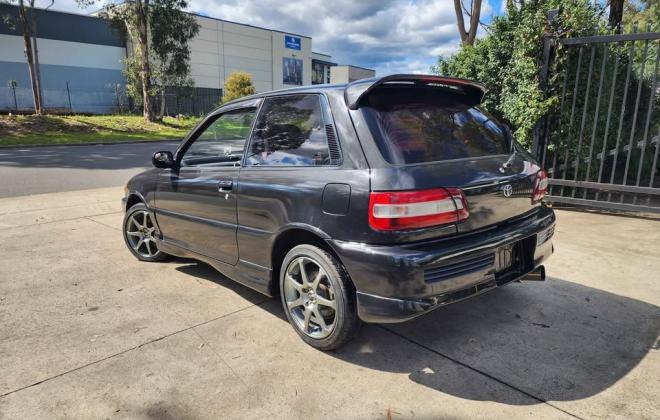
(537, 274)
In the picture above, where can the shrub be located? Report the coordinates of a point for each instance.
(508, 59)
(237, 85)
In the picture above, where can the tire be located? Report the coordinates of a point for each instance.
(320, 305)
(139, 230)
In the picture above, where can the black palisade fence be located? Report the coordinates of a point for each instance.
(601, 145)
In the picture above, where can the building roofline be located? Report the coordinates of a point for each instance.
(248, 25)
(330, 63)
(323, 54)
(357, 67)
(64, 12)
(94, 15)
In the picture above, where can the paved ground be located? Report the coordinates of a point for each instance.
(37, 170)
(87, 331)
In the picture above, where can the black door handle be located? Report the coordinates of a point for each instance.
(225, 185)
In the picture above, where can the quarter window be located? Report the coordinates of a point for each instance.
(290, 131)
(222, 142)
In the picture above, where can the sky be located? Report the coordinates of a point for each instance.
(390, 36)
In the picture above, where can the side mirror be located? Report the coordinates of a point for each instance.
(163, 159)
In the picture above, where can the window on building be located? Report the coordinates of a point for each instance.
(318, 73)
(292, 71)
(290, 132)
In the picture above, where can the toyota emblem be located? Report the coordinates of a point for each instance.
(507, 190)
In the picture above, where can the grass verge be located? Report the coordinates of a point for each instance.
(26, 130)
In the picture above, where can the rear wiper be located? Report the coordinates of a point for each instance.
(506, 165)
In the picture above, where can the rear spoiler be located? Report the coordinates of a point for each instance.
(359, 89)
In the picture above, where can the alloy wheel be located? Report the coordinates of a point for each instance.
(140, 232)
(310, 298)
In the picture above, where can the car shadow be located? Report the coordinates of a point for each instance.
(554, 340)
(204, 271)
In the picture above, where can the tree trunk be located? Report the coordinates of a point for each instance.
(35, 53)
(28, 54)
(142, 9)
(468, 36)
(460, 22)
(474, 21)
(616, 13)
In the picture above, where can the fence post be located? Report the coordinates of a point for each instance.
(13, 84)
(68, 94)
(540, 130)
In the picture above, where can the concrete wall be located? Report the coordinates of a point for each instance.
(280, 52)
(222, 48)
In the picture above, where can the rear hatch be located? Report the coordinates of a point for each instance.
(430, 134)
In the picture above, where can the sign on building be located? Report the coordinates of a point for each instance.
(292, 42)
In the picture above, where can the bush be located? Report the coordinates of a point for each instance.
(508, 59)
(237, 85)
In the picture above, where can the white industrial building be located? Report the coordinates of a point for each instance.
(81, 61)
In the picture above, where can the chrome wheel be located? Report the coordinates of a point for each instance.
(140, 233)
(310, 298)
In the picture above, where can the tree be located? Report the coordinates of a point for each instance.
(642, 11)
(134, 17)
(616, 13)
(237, 85)
(171, 30)
(133, 78)
(27, 18)
(467, 36)
(507, 60)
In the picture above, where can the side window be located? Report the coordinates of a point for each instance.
(290, 131)
(222, 142)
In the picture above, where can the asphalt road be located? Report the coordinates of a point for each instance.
(37, 170)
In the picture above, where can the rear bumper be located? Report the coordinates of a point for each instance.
(398, 282)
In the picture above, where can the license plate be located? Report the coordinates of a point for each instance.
(504, 257)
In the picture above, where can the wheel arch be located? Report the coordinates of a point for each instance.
(289, 238)
(134, 198)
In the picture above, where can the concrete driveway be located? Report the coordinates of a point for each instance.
(87, 331)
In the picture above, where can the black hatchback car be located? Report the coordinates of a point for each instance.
(379, 201)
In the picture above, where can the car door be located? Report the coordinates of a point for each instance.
(196, 201)
(292, 175)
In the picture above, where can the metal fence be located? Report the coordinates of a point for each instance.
(111, 100)
(601, 146)
(198, 102)
(64, 100)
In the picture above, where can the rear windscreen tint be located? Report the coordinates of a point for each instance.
(417, 125)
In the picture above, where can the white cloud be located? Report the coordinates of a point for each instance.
(391, 36)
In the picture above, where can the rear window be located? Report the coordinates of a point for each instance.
(420, 124)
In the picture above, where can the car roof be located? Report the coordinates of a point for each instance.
(355, 91)
(297, 89)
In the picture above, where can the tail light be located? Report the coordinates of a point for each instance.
(540, 186)
(398, 210)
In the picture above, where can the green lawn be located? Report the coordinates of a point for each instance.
(54, 129)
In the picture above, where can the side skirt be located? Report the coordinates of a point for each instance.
(246, 273)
